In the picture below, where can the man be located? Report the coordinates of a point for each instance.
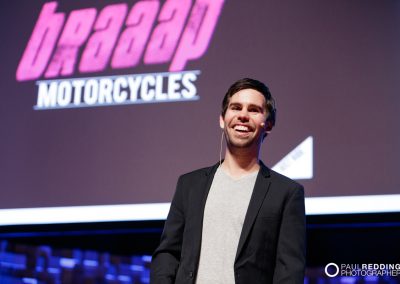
(237, 221)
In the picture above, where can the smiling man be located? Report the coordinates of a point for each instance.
(237, 221)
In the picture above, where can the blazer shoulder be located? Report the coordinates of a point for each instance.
(285, 181)
(198, 173)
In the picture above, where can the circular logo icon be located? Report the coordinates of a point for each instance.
(331, 274)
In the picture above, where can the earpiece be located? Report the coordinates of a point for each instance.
(263, 126)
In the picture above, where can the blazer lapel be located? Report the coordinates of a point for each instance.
(259, 192)
(199, 210)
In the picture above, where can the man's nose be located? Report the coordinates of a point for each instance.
(243, 115)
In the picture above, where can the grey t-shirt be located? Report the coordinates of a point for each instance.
(224, 214)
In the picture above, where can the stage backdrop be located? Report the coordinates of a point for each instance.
(108, 102)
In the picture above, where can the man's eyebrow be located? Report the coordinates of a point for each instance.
(254, 105)
(261, 108)
(250, 105)
(236, 104)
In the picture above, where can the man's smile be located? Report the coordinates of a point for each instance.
(242, 128)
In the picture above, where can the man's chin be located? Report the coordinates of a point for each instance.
(241, 144)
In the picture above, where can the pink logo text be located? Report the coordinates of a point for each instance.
(88, 40)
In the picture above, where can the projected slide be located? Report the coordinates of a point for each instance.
(108, 102)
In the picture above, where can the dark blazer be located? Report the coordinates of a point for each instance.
(271, 247)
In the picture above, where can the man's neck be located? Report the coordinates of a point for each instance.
(240, 163)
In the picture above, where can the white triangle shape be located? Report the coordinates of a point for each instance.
(298, 164)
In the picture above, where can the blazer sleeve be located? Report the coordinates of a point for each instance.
(166, 258)
(291, 249)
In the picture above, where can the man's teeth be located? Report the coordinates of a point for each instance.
(241, 128)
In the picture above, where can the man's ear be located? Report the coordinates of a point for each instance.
(221, 122)
(268, 126)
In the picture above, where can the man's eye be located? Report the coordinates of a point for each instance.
(235, 107)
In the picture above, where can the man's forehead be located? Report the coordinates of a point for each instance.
(248, 96)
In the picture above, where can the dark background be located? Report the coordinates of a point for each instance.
(332, 66)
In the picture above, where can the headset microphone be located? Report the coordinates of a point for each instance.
(220, 148)
(263, 126)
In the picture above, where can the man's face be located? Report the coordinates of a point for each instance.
(245, 123)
